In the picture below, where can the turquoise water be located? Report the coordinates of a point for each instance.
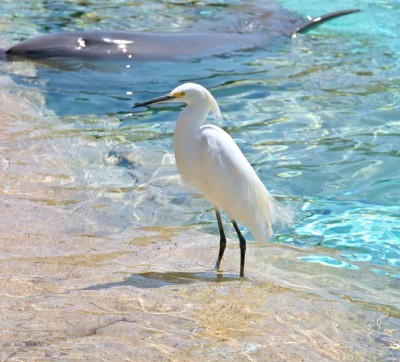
(317, 116)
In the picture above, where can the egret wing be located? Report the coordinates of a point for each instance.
(229, 182)
(226, 174)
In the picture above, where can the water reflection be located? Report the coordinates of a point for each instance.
(80, 174)
(120, 166)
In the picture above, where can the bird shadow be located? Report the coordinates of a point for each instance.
(158, 280)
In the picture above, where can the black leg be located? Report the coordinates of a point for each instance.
(242, 247)
(222, 241)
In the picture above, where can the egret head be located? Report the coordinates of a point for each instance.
(190, 93)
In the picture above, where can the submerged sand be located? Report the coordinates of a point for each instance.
(68, 293)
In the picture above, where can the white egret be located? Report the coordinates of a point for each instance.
(209, 159)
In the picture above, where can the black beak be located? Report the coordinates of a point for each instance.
(167, 97)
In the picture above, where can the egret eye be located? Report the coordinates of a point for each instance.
(179, 94)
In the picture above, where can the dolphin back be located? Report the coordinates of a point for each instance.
(149, 46)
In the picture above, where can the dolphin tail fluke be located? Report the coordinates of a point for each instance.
(311, 23)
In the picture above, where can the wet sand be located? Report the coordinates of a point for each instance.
(69, 293)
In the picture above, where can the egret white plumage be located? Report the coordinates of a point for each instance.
(208, 158)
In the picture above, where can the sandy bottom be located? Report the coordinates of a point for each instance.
(151, 294)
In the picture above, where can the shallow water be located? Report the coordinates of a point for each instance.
(318, 117)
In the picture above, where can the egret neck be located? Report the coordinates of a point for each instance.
(186, 137)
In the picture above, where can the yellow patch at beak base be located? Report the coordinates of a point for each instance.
(178, 94)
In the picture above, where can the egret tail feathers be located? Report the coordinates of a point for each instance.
(269, 212)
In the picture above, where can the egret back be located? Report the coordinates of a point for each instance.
(229, 182)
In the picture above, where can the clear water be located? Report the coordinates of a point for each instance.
(317, 116)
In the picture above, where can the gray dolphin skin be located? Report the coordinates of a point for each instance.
(102, 45)
(127, 45)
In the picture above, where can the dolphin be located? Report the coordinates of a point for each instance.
(103, 45)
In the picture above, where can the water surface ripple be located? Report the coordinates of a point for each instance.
(317, 116)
